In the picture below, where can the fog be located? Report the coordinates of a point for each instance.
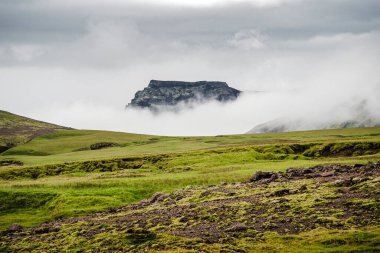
(79, 63)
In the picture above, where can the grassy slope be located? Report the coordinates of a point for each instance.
(79, 188)
(164, 164)
(62, 145)
(313, 214)
(15, 129)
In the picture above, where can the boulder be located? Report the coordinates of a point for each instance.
(261, 175)
(14, 228)
(281, 192)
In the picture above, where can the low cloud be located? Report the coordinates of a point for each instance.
(81, 66)
(248, 40)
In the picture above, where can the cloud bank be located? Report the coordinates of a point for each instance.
(78, 63)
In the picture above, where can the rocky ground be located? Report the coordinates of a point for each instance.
(225, 217)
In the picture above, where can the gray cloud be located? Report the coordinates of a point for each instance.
(76, 56)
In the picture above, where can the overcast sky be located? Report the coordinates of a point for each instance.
(79, 62)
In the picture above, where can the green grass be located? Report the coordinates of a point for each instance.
(81, 194)
(73, 145)
(78, 192)
(16, 130)
(58, 181)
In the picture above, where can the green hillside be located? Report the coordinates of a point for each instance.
(75, 145)
(15, 129)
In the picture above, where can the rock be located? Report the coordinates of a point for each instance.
(112, 210)
(303, 188)
(341, 182)
(205, 194)
(41, 230)
(274, 176)
(238, 227)
(307, 171)
(357, 180)
(328, 173)
(281, 192)
(261, 175)
(171, 93)
(14, 228)
(158, 197)
(291, 172)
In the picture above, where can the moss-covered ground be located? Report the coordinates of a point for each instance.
(319, 209)
(70, 173)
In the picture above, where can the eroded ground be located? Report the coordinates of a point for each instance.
(322, 208)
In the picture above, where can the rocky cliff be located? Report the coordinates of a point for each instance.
(170, 93)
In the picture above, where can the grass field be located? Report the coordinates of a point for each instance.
(74, 145)
(57, 181)
(197, 219)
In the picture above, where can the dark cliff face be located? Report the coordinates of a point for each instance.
(170, 93)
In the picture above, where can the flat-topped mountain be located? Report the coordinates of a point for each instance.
(170, 93)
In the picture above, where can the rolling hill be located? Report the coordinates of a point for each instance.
(15, 129)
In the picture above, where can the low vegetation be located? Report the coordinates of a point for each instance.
(75, 145)
(323, 208)
(69, 173)
(16, 130)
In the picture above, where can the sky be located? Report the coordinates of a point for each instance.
(79, 62)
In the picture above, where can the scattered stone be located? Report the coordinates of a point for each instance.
(238, 227)
(357, 180)
(41, 230)
(205, 194)
(11, 162)
(158, 197)
(306, 171)
(303, 188)
(281, 192)
(261, 207)
(112, 210)
(328, 173)
(274, 176)
(14, 228)
(261, 175)
(342, 182)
